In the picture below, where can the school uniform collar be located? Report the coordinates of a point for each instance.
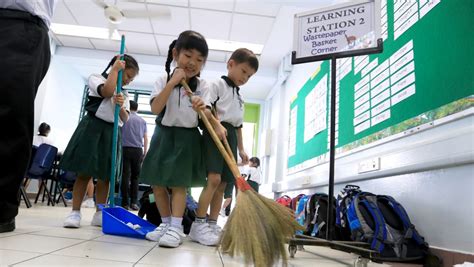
(231, 83)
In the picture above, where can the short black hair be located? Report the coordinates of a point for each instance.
(255, 160)
(44, 129)
(244, 55)
(133, 105)
(130, 63)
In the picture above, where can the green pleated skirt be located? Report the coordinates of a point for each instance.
(214, 161)
(175, 158)
(89, 152)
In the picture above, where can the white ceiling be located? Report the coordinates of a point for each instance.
(267, 22)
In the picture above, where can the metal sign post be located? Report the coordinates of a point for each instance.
(346, 30)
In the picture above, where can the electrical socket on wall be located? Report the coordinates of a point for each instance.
(369, 165)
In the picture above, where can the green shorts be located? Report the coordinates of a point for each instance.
(229, 189)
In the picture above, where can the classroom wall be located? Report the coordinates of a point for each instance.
(430, 172)
(58, 101)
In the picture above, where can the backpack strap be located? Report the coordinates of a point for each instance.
(410, 231)
(359, 227)
(343, 197)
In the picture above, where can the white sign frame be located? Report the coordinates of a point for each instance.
(368, 43)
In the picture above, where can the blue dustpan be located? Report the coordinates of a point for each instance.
(115, 219)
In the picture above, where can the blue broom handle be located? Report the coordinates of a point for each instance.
(115, 133)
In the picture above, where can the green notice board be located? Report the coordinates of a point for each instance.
(427, 64)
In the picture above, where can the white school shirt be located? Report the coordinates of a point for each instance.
(227, 100)
(106, 110)
(41, 8)
(178, 110)
(254, 174)
(39, 139)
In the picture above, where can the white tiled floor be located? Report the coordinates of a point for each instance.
(40, 240)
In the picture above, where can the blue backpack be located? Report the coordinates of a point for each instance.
(300, 211)
(384, 224)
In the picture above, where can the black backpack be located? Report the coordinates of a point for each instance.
(152, 214)
(316, 213)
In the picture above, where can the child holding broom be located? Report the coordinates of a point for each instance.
(88, 152)
(224, 96)
(175, 158)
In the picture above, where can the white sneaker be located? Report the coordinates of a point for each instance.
(216, 228)
(172, 238)
(73, 220)
(97, 219)
(222, 212)
(203, 234)
(159, 231)
(88, 203)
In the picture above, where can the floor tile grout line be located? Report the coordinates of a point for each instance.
(49, 253)
(148, 252)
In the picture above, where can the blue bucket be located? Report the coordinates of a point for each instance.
(114, 222)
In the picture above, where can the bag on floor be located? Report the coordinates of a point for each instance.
(344, 199)
(285, 201)
(148, 208)
(317, 216)
(384, 224)
(294, 201)
(300, 211)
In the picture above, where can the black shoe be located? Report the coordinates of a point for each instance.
(7, 226)
(125, 207)
(135, 207)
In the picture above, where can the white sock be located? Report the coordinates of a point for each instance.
(212, 222)
(176, 222)
(166, 220)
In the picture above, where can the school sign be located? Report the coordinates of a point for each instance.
(347, 27)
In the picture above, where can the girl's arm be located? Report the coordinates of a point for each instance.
(110, 84)
(123, 114)
(240, 145)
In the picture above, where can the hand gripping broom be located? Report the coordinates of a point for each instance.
(258, 227)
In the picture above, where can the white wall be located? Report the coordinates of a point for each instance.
(59, 100)
(430, 172)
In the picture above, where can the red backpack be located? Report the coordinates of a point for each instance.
(285, 201)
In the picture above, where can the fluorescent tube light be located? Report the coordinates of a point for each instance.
(84, 31)
(231, 46)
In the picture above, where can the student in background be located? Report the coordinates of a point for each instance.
(225, 97)
(254, 177)
(135, 145)
(89, 201)
(229, 189)
(42, 137)
(25, 54)
(89, 151)
(175, 159)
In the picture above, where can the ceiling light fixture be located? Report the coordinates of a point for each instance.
(84, 31)
(231, 46)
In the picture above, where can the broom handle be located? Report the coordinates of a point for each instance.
(230, 162)
(115, 132)
(229, 150)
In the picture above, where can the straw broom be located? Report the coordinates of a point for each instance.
(258, 227)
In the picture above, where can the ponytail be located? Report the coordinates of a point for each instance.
(169, 59)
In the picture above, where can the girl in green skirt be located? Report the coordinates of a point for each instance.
(175, 158)
(88, 153)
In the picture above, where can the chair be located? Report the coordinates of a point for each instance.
(40, 168)
(64, 179)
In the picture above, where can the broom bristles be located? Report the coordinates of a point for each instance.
(258, 229)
